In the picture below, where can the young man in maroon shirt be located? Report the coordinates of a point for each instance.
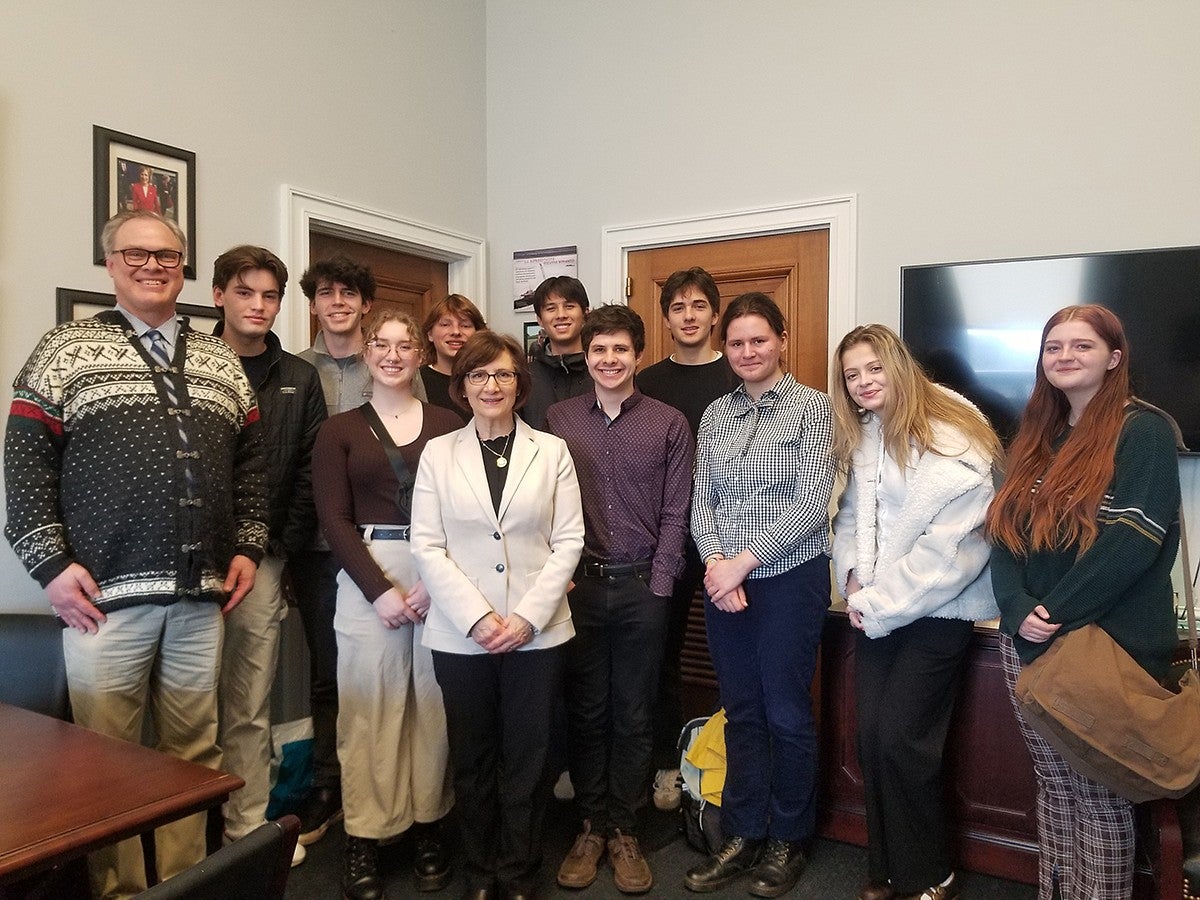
(633, 456)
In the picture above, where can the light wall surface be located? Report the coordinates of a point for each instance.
(374, 103)
(966, 130)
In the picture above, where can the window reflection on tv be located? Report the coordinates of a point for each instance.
(976, 326)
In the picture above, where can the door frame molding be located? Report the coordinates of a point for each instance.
(838, 214)
(306, 211)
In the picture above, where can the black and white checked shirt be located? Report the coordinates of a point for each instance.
(763, 476)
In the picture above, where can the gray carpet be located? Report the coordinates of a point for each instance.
(835, 870)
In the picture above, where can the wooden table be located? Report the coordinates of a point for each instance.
(65, 791)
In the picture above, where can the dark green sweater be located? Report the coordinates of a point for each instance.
(1123, 582)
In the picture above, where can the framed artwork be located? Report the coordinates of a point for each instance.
(134, 173)
(72, 304)
(532, 335)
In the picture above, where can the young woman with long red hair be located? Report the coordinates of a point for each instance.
(1085, 529)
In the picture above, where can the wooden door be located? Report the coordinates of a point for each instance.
(409, 283)
(793, 269)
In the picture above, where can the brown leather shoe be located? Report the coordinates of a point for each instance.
(877, 890)
(631, 872)
(578, 870)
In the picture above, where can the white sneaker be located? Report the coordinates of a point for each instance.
(563, 789)
(667, 790)
(298, 855)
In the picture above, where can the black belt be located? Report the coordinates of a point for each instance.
(615, 570)
(390, 533)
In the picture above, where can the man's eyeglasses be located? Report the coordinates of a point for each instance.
(384, 347)
(136, 256)
(503, 377)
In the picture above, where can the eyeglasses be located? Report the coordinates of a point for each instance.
(503, 377)
(385, 348)
(136, 256)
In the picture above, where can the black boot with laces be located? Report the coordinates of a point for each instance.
(361, 878)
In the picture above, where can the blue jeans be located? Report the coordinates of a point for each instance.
(765, 657)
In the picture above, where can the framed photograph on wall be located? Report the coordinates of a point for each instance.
(71, 304)
(532, 334)
(134, 173)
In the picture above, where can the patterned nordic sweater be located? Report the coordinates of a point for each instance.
(94, 469)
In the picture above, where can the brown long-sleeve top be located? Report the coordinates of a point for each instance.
(354, 485)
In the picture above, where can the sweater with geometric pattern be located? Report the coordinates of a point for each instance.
(95, 469)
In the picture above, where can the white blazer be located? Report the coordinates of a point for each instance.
(473, 561)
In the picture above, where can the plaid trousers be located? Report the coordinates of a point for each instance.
(1085, 831)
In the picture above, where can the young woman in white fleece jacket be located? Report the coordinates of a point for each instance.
(911, 558)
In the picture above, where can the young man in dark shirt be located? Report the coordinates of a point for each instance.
(633, 456)
(248, 286)
(689, 379)
(559, 369)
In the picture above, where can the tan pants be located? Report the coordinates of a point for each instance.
(248, 664)
(162, 659)
(391, 725)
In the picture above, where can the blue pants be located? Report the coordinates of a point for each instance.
(765, 658)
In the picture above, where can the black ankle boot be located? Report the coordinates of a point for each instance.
(779, 868)
(431, 859)
(737, 856)
(361, 880)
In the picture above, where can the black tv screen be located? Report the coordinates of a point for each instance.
(976, 326)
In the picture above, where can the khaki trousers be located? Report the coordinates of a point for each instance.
(162, 659)
(391, 724)
(248, 664)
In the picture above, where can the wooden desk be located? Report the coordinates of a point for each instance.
(67, 791)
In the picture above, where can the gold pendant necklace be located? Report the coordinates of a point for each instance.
(501, 458)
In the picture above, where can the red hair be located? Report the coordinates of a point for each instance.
(1063, 509)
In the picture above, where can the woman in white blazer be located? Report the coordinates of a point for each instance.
(497, 531)
(911, 558)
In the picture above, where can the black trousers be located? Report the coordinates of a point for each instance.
(906, 685)
(611, 691)
(498, 711)
(314, 581)
(668, 714)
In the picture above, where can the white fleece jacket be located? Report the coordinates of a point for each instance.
(932, 560)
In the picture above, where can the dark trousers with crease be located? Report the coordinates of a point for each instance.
(765, 657)
(314, 582)
(611, 691)
(498, 712)
(668, 715)
(906, 684)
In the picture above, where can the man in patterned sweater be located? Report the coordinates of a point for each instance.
(136, 497)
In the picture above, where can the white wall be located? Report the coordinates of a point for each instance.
(967, 130)
(380, 104)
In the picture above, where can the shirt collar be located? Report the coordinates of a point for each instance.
(168, 329)
(781, 390)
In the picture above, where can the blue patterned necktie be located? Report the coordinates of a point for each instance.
(158, 350)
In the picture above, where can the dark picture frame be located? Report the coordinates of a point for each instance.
(70, 304)
(531, 332)
(118, 161)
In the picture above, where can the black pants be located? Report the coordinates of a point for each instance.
(906, 684)
(668, 714)
(612, 682)
(498, 711)
(314, 581)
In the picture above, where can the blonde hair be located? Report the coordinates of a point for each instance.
(912, 403)
(381, 318)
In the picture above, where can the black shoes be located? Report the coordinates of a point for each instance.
(360, 880)
(779, 868)
(322, 808)
(737, 856)
(431, 860)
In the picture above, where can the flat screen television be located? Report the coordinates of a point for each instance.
(976, 326)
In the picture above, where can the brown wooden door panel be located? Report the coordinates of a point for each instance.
(791, 268)
(411, 284)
